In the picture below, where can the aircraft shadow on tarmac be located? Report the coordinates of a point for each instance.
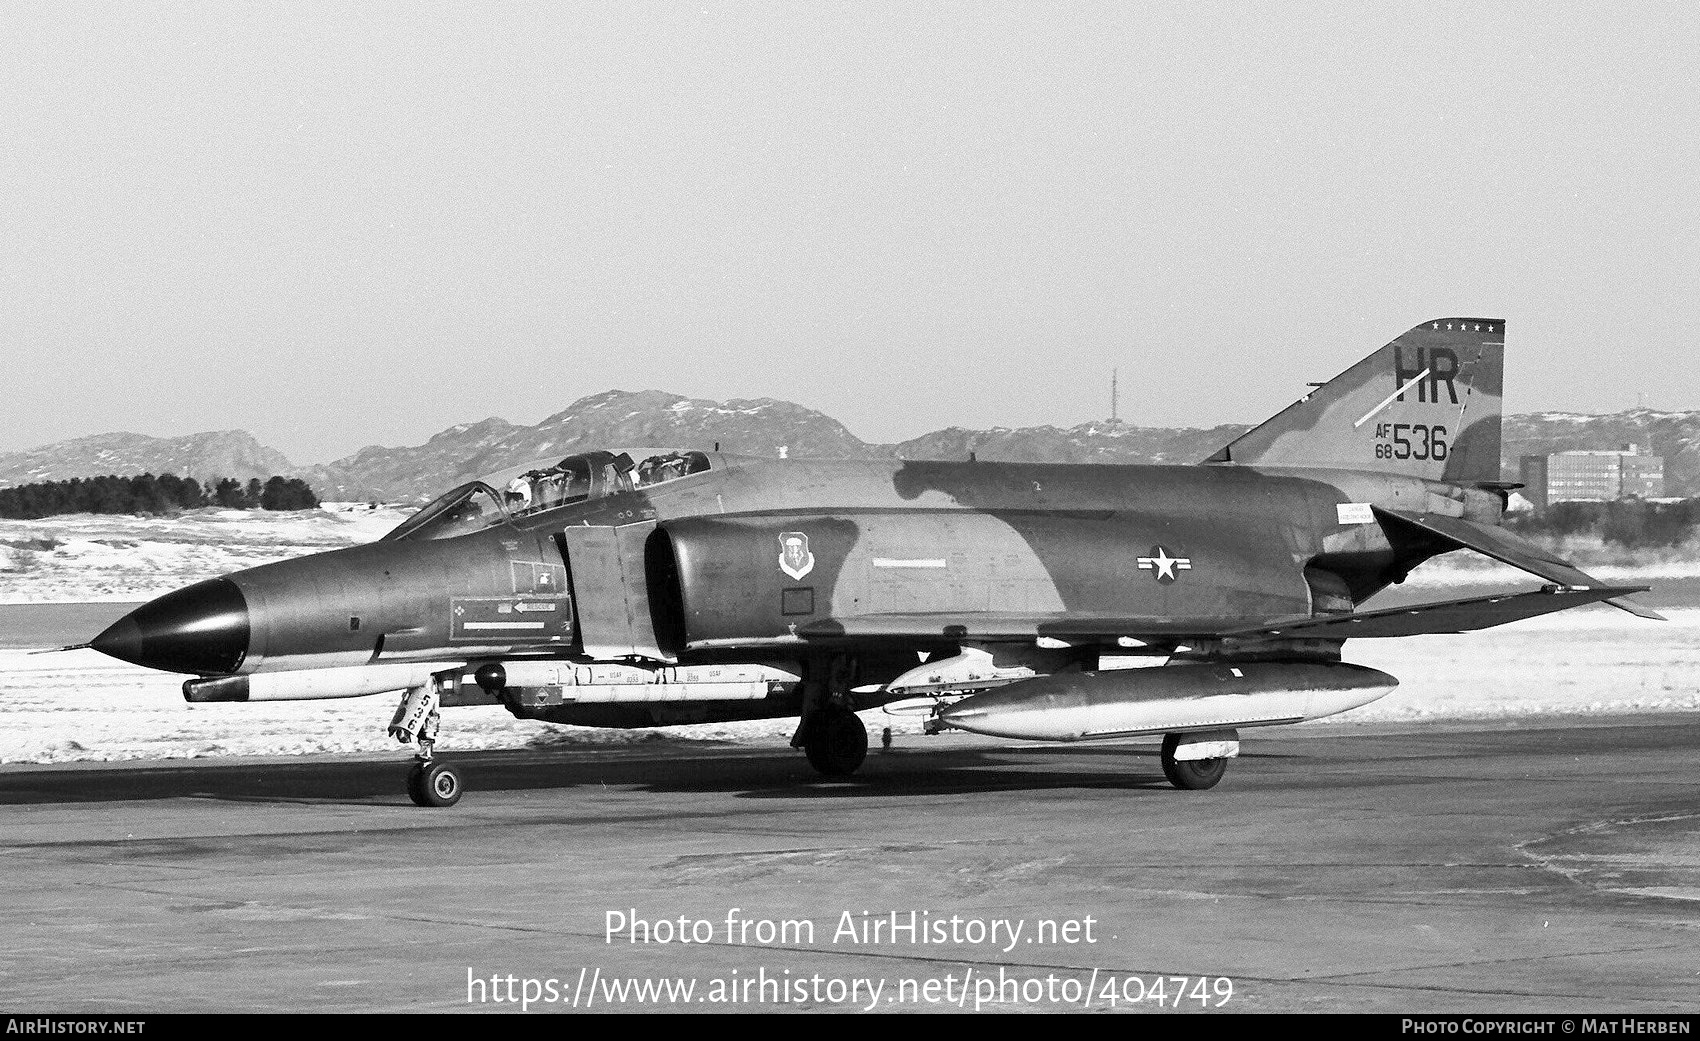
(762, 774)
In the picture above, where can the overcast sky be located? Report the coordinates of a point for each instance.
(344, 224)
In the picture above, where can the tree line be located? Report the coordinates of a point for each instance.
(1634, 523)
(166, 493)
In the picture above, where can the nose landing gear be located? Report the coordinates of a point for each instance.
(430, 782)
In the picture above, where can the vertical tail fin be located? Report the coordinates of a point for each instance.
(1426, 405)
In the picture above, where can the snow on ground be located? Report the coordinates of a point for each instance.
(86, 558)
(1588, 660)
(1471, 569)
(79, 705)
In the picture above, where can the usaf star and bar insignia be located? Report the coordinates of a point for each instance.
(1164, 567)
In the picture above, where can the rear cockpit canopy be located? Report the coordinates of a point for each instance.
(523, 491)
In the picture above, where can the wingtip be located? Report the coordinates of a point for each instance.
(1623, 603)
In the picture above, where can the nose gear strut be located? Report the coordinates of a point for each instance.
(429, 782)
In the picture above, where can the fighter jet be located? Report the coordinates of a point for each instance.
(646, 588)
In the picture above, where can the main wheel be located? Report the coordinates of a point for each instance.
(1190, 774)
(433, 784)
(838, 743)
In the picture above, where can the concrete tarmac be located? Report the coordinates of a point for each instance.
(1546, 866)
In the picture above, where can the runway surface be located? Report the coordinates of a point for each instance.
(1546, 866)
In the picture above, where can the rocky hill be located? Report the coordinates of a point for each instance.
(763, 427)
(218, 453)
(617, 419)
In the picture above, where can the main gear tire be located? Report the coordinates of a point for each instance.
(837, 744)
(1190, 774)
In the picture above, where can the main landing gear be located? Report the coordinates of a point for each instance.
(835, 741)
(430, 782)
(1197, 761)
(829, 733)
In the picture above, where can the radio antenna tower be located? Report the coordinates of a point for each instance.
(1115, 404)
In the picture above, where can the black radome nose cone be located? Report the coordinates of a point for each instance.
(200, 629)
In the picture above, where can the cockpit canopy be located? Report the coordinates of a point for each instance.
(521, 491)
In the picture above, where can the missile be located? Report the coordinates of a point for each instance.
(533, 683)
(354, 681)
(545, 683)
(1077, 706)
(972, 669)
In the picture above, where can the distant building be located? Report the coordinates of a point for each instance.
(1592, 476)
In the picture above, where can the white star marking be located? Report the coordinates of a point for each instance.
(1165, 565)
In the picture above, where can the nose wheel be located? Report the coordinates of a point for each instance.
(431, 783)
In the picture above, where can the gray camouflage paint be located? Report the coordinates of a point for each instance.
(906, 557)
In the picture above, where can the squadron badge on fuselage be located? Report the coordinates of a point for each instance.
(794, 556)
(1165, 567)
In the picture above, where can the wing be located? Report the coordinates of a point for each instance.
(1503, 546)
(1447, 616)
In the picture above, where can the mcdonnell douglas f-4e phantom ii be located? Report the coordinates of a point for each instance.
(639, 589)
